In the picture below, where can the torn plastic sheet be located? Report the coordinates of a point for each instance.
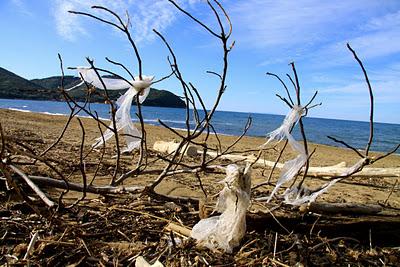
(291, 167)
(226, 230)
(290, 120)
(123, 115)
(299, 196)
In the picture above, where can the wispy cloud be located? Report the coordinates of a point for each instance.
(372, 45)
(385, 85)
(145, 15)
(21, 7)
(67, 25)
(312, 28)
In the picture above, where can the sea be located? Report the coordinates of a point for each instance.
(355, 133)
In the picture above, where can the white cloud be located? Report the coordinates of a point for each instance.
(21, 7)
(386, 21)
(145, 15)
(368, 46)
(308, 29)
(385, 86)
(266, 23)
(67, 25)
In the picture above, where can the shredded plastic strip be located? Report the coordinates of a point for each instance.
(299, 196)
(291, 167)
(123, 115)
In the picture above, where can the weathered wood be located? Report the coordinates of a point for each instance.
(328, 171)
(342, 208)
(171, 147)
(50, 182)
(36, 189)
(178, 229)
(385, 227)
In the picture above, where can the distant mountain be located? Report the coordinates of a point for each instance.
(55, 81)
(16, 87)
(13, 86)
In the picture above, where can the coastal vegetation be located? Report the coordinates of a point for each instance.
(13, 86)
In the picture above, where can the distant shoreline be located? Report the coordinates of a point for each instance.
(387, 136)
(19, 114)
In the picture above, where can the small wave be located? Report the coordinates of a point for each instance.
(52, 114)
(17, 109)
(90, 117)
(150, 120)
(173, 121)
(212, 133)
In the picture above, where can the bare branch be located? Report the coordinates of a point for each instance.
(371, 99)
(194, 19)
(284, 86)
(122, 66)
(346, 145)
(39, 192)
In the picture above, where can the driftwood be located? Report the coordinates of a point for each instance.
(385, 228)
(342, 208)
(171, 147)
(328, 171)
(181, 230)
(51, 182)
(36, 189)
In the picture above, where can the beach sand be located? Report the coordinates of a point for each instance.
(38, 131)
(114, 230)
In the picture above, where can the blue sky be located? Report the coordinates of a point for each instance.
(269, 34)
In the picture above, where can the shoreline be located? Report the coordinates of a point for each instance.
(176, 128)
(51, 124)
(38, 131)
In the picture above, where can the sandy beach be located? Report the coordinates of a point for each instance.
(40, 130)
(118, 228)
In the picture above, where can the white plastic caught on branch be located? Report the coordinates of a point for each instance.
(291, 167)
(296, 197)
(226, 230)
(284, 130)
(123, 115)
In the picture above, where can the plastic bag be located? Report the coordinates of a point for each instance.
(226, 230)
(291, 167)
(284, 130)
(299, 196)
(123, 115)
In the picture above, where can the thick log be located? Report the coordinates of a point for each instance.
(342, 208)
(171, 147)
(384, 228)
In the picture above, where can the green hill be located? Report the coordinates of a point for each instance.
(55, 81)
(13, 86)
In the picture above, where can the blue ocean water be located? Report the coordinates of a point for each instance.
(355, 133)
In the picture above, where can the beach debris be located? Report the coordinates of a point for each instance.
(34, 187)
(342, 208)
(226, 230)
(31, 245)
(178, 229)
(298, 196)
(123, 115)
(291, 167)
(141, 262)
(315, 171)
(171, 147)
